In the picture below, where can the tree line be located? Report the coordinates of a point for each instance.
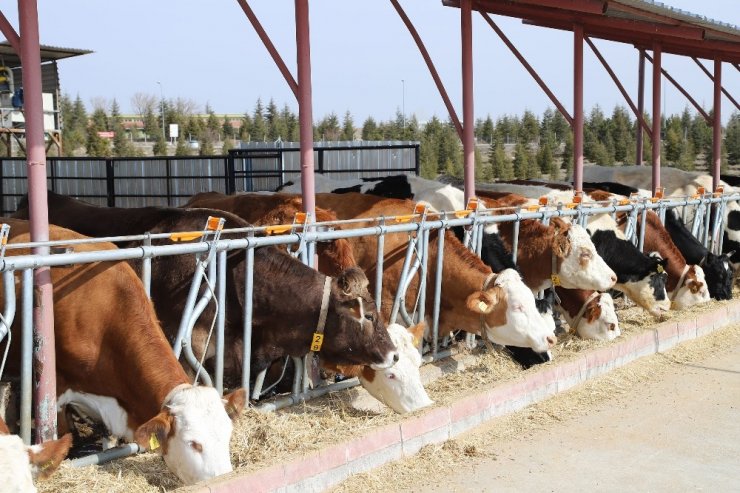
(511, 146)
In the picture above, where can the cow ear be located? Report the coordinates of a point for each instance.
(152, 435)
(561, 244)
(234, 403)
(482, 302)
(417, 332)
(593, 311)
(729, 254)
(50, 455)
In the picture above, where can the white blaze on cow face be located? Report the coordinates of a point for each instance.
(511, 315)
(581, 266)
(400, 387)
(692, 291)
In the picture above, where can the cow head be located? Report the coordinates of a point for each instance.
(400, 387)
(355, 333)
(193, 431)
(692, 290)
(599, 320)
(510, 315)
(21, 464)
(648, 288)
(576, 262)
(719, 275)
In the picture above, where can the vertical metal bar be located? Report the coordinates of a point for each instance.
(468, 140)
(220, 321)
(515, 237)
(717, 125)
(423, 274)
(305, 111)
(417, 165)
(168, 180)
(43, 316)
(438, 288)
(643, 224)
(578, 107)
(379, 265)
(247, 342)
(26, 354)
(146, 268)
(707, 220)
(724, 91)
(189, 306)
(110, 182)
(657, 55)
(401, 292)
(640, 106)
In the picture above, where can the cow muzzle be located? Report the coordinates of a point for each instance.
(390, 359)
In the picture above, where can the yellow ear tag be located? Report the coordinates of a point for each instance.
(660, 269)
(317, 341)
(555, 280)
(482, 306)
(153, 442)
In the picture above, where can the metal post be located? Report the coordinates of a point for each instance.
(640, 106)
(26, 358)
(657, 52)
(578, 107)
(466, 29)
(220, 321)
(161, 104)
(247, 342)
(717, 125)
(379, 264)
(43, 314)
(305, 111)
(438, 287)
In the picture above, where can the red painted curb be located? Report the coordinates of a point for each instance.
(337, 462)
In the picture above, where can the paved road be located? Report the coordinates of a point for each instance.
(676, 434)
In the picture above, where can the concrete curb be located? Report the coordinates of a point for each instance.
(324, 468)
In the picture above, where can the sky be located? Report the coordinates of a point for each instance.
(363, 57)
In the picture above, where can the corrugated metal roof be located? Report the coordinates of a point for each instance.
(682, 15)
(48, 53)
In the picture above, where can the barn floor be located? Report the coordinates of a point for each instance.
(668, 422)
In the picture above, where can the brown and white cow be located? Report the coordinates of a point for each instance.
(115, 363)
(504, 310)
(20, 464)
(590, 313)
(400, 386)
(279, 328)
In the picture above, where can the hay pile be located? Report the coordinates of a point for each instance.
(265, 439)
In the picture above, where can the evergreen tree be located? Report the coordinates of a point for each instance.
(485, 130)
(545, 159)
(160, 146)
(348, 128)
(530, 128)
(245, 131)
(370, 130)
(521, 162)
(732, 139)
(121, 144)
(501, 165)
(567, 163)
(258, 128)
(227, 146)
(272, 118)
(96, 145)
(182, 148)
(227, 129)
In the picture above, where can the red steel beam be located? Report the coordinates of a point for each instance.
(44, 353)
(270, 47)
(305, 111)
(621, 88)
(683, 91)
(466, 43)
(640, 106)
(656, 115)
(588, 21)
(430, 65)
(9, 32)
(717, 127)
(585, 6)
(724, 91)
(578, 108)
(528, 67)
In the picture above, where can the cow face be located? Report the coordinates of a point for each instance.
(510, 314)
(192, 433)
(580, 267)
(648, 290)
(355, 333)
(692, 291)
(599, 320)
(719, 275)
(400, 387)
(21, 464)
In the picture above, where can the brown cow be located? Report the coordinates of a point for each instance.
(114, 361)
(279, 328)
(510, 313)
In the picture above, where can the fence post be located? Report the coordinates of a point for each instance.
(110, 182)
(230, 182)
(168, 173)
(321, 161)
(417, 169)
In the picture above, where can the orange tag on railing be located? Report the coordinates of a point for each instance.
(214, 223)
(278, 229)
(578, 197)
(300, 217)
(472, 204)
(186, 236)
(719, 191)
(420, 208)
(543, 201)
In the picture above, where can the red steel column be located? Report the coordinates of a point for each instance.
(44, 357)
(578, 107)
(657, 55)
(466, 28)
(640, 107)
(717, 126)
(305, 112)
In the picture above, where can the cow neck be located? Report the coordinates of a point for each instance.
(681, 280)
(484, 327)
(658, 239)
(535, 242)
(318, 336)
(579, 315)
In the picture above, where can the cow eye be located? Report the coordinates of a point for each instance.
(369, 316)
(585, 254)
(196, 446)
(391, 376)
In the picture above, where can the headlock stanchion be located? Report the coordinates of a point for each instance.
(708, 222)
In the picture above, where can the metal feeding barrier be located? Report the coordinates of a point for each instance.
(300, 239)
